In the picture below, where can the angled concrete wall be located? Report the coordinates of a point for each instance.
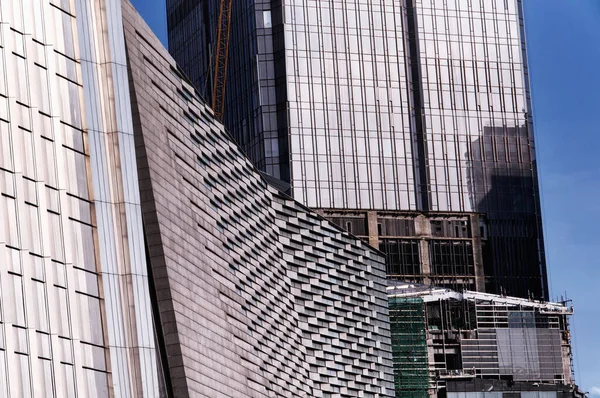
(256, 295)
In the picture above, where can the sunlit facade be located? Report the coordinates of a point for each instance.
(75, 312)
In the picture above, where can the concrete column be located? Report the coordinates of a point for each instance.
(423, 231)
(372, 229)
(477, 253)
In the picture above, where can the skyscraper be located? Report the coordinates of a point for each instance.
(142, 253)
(406, 122)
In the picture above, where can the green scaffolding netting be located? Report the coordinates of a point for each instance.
(409, 347)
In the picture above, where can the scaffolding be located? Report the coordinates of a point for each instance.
(409, 347)
(439, 335)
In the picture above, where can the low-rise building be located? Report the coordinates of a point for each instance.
(447, 343)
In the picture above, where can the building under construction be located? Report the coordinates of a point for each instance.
(458, 345)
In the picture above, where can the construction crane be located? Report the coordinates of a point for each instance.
(221, 56)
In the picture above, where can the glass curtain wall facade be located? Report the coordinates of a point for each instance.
(75, 314)
(476, 124)
(410, 107)
(349, 114)
(255, 104)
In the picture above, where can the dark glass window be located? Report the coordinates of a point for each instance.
(452, 258)
(402, 256)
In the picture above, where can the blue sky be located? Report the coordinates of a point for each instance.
(563, 38)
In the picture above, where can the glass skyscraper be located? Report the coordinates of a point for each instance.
(407, 122)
